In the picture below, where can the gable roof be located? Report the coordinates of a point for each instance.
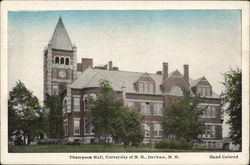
(91, 78)
(144, 76)
(195, 82)
(60, 38)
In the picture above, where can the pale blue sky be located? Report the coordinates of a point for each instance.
(135, 40)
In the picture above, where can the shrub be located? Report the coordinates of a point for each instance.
(175, 144)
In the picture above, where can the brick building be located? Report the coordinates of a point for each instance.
(147, 93)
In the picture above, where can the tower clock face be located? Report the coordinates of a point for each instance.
(62, 74)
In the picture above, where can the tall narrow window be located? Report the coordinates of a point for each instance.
(141, 87)
(151, 88)
(67, 61)
(158, 131)
(65, 128)
(62, 60)
(145, 90)
(88, 127)
(208, 92)
(77, 104)
(146, 129)
(57, 60)
(65, 106)
(76, 127)
(145, 108)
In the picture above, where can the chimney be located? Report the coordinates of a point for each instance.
(159, 72)
(110, 65)
(165, 71)
(186, 73)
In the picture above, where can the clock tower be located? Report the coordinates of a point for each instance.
(59, 61)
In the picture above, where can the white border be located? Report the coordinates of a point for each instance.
(63, 158)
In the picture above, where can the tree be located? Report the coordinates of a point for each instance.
(132, 127)
(181, 119)
(55, 117)
(105, 111)
(111, 118)
(24, 111)
(232, 94)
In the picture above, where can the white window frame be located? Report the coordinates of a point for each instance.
(77, 120)
(76, 100)
(91, 127)
(158, 109)
(209, 131)
(146, 129)
(158, 129)
(66, 128)
(145, 108)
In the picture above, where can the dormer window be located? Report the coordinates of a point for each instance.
(146, 87)
(203, 91)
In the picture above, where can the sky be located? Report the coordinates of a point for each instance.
(209, 41)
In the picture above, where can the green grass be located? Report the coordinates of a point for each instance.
(93, 148)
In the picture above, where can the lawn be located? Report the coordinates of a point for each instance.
(92, 148)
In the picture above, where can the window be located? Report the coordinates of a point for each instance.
(65, 105)
(62, 60)
(57, 60)
(210, 111)
(55, 90)
(86, 100)
(175, 90)
(146, 87)
(141, 87)
(209, 131)
(77, 103)
(158, 132)
(208, 92)
(151, 88)
(130, 104)
(158, 109)
(145, 108)
(65, 128)
(204, 91)
(146, 129)
(76, 127)
(67, 61)
(88, 127)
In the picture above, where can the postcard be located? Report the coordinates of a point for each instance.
(122, 82)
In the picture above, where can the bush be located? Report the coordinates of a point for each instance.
(175, 144)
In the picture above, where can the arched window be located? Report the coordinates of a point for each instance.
(67, 61)
(62, 60)
(57, 60)
(86, 102)
(175, 90)
(65, 105)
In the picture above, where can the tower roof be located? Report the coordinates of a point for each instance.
(60, 38)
